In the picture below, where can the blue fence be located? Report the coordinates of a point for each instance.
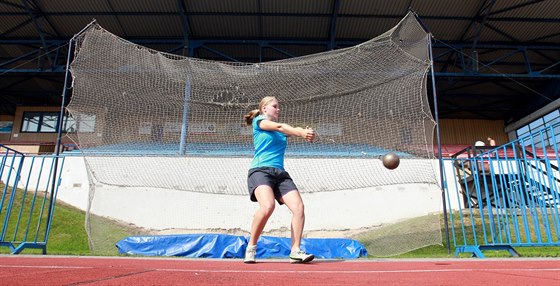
(506, 196)
(29, 186)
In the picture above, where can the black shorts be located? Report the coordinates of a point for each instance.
(279, 180)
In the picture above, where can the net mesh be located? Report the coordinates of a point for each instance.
(150, 121)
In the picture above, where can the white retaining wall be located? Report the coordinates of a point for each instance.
(161, 209)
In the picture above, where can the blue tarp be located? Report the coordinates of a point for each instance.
(231, 246)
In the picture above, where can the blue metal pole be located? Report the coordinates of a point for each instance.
(438, 143)
(185, 121)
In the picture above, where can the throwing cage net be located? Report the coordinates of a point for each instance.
(169, 129)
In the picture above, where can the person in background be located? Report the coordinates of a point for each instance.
(479, 144)
(491, 141)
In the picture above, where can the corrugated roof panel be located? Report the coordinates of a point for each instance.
(224, 26)
(487, 33)
(297, 6)
(151, 26)
(145, 6)
(250, 53)
(448, 8)
(71, 25)
(505, 56)
(439, 53)
(135, 23)
(20, 16)
(509, 61)
(241, 53)
(360, 7)
(446, 30)
(522, 31)
(362, 28)
(296, 27)
(7, 51)
(544, 9)
(11, 7)
(273, 52)
(543, 57)
(170, 49)
(26, 31)
(69, 6)
(220, 6)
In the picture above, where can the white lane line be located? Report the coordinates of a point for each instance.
(300, 271)
(46, 266)
(363, 271)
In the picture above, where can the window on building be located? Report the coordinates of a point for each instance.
(84, 123)
(46, 122)
(549, 124)
(49, 123)
(43, 122)
(70, 124)
(31, 122)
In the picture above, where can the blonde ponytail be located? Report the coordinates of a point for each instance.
(250, 116)
(253, 113)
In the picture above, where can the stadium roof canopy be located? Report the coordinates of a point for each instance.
(496, 60)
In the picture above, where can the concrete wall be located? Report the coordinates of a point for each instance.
(162, 209)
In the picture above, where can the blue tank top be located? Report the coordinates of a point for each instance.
(270, 146)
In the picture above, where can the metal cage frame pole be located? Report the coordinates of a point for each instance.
(436, 117)
(185, 117)
(440, 157)
(60, 123)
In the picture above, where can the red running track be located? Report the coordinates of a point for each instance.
(66, 270)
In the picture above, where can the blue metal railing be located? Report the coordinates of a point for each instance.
(507, 196)
(28, 198)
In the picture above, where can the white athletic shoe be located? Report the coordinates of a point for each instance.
(301, 257)
(250, 254)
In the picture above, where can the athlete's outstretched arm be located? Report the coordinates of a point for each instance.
(305, 133)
